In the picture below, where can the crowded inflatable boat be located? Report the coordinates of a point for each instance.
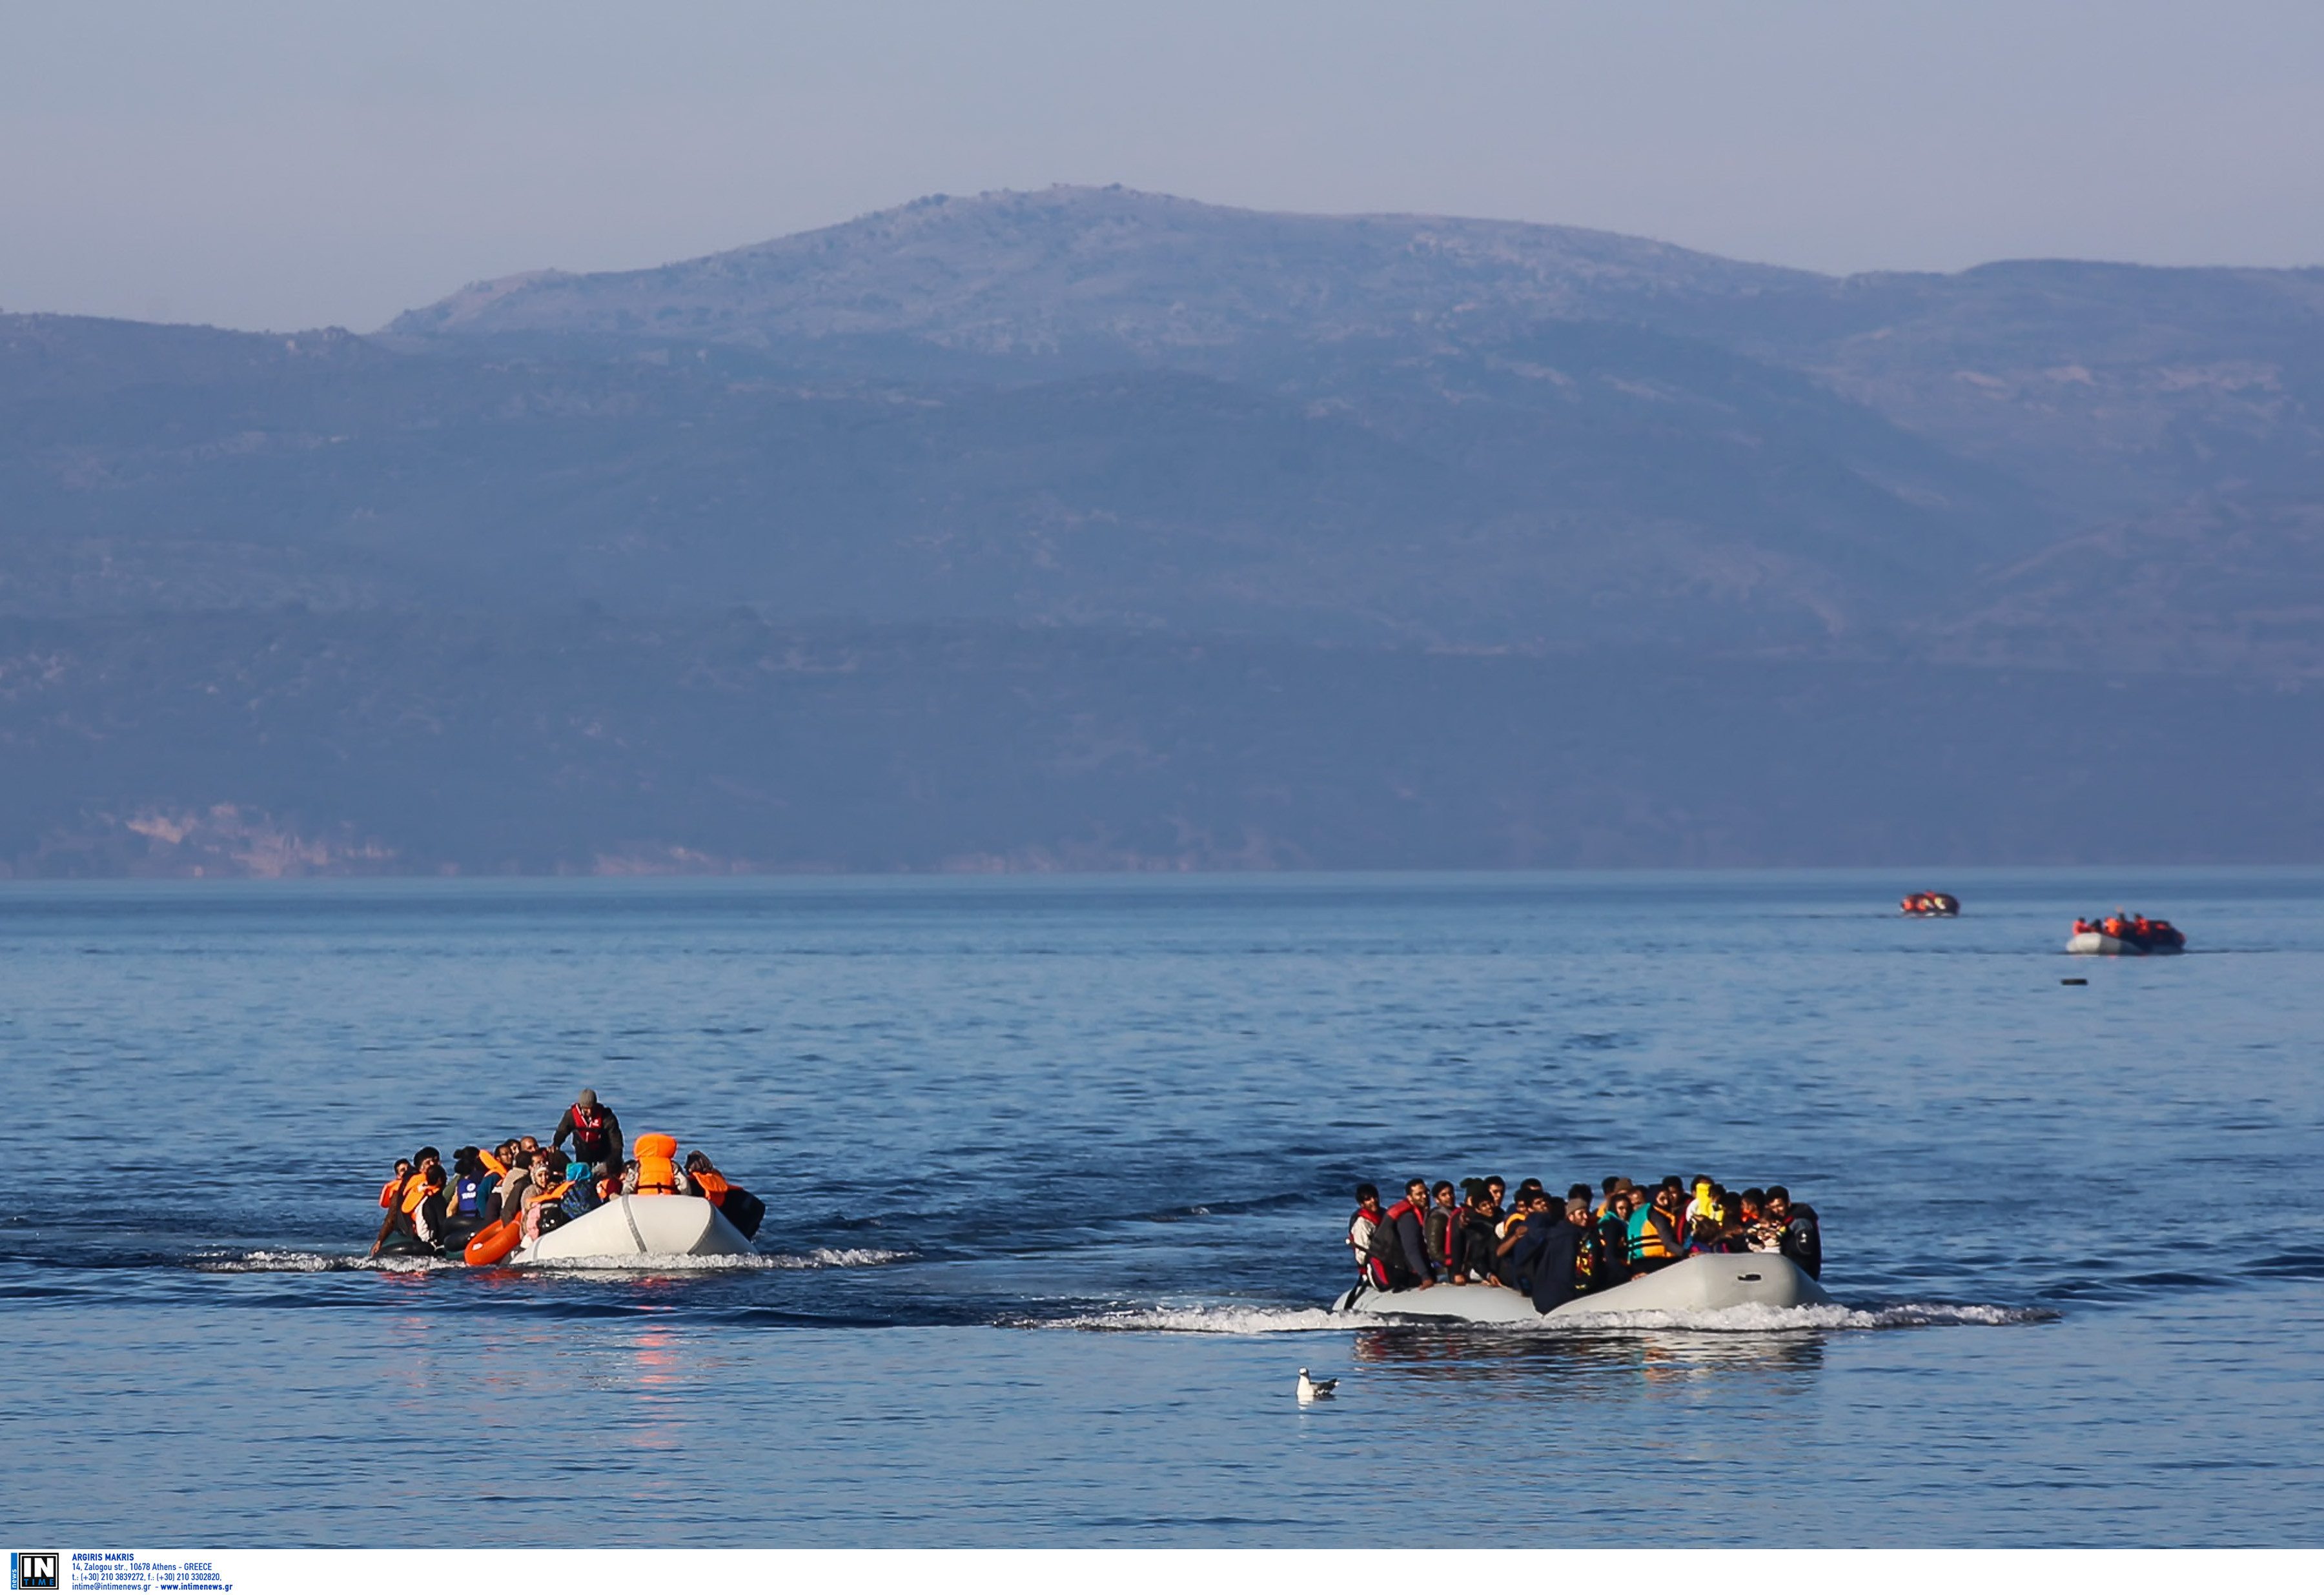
(1930, 905)
(522, 1202)
(2126, 936)
(1626, 1248)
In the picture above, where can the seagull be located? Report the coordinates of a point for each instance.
(1316, 1389)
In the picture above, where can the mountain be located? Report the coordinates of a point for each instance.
(2104, 385)
(1103, 526)
(1095, 274)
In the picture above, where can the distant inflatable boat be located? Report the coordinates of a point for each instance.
(2098, 941)
(1930, 905)
(2116, 937)
(1695, 1285)
(630, 1229)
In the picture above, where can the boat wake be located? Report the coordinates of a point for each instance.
(1200, 1319)
(1757, 1319)
(1251, 1320)
(317, 1262)
(717, 1262)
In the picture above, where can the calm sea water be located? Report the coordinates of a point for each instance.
(1058, 1171)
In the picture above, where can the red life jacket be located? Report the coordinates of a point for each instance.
(591, 1144)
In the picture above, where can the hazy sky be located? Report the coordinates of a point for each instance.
(290, 164)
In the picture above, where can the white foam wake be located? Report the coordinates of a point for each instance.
(1206, 1319)
(850, 1257)
(823, 1257)
(316, 1262)
(1250, 1320)
(1755, 1319)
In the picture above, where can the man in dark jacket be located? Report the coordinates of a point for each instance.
(1549, 1254)
(1613, 1226)
(1444, 1230)
(596, 1133)
(1798, 1236)
(1401, 1240)
(1479, 1238)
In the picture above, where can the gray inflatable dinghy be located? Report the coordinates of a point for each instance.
(1693, 1284)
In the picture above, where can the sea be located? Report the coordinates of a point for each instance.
(1058, 1171)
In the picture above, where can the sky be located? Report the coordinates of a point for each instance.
(270, 165)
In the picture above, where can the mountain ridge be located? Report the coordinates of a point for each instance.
(1070, 247)
(1108, 530)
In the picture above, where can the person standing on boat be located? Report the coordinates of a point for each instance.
(596, 1133)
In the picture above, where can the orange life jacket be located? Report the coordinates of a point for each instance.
(710, 1183)
(1650, 1239)
(656, 1171)
(418, 1189)
(390, 1191)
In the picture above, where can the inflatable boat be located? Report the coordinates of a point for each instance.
(1694, 1285)
(631, 1227)
(2115, 938)
(1930, 905)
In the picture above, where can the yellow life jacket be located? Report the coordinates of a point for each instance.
(1646, 1241)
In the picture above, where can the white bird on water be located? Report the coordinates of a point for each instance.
(1316, 1389)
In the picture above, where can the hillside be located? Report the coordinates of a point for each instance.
(1550, 546)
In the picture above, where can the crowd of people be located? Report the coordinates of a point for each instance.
(431, 1210)
(2134, 928)
(1554, 1249)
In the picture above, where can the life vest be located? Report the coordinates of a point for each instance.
(591, 1141)
(537, 1194)
(417, 1190)
(656, 1171)
(468, 1197)
(1647, 1238)
(389, 1192)
(709, 1184)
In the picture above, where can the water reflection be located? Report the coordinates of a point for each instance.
(1534, 1358)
